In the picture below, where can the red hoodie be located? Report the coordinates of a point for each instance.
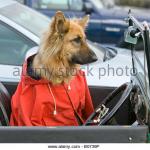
(33, 104)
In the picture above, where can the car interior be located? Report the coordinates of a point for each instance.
(98, 94)
(121, 127)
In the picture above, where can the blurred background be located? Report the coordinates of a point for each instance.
(136, 3)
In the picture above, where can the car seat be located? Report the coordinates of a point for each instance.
(5, 106)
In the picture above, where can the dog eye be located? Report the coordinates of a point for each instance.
(77, 40)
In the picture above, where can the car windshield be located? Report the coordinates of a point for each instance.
(26, 17)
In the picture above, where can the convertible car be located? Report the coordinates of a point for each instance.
(123, 116)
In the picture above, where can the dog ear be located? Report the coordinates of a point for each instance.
(84, 21)
(61, 24)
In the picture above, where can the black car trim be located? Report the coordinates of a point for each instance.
(80, 134)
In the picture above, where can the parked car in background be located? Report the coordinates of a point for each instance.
(107, 20)
(20, 30)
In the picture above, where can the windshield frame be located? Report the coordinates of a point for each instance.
(143, 32)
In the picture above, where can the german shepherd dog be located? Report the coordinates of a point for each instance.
(63, 49)
(46, 100)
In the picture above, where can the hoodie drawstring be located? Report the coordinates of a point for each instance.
(55, 107)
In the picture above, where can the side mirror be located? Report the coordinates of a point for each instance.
(31, 52)
(88, 8)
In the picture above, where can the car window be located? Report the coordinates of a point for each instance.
(29, 19)
(76, 5)
(21, 1)
(97, 3)
(50, 4)
(13, 46)
(108, 3)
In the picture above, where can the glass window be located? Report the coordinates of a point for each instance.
(31, 20)
(97, 3)
(76, 5)
(108, 3)
(20, 1)
(13, 46)
(50, 4)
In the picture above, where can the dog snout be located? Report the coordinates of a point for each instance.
(92, 56)
(84, 57)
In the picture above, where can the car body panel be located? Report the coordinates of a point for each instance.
(84, 134)
(111, 70)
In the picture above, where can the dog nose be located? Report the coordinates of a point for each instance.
(93, 56)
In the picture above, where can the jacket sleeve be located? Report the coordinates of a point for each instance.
(89, 109)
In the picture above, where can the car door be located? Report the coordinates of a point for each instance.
(82, 134)
(13, 48)
(112, 26)
(111, 22)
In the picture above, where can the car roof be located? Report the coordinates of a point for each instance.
(4, 3)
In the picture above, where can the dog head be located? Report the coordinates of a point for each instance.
(71, 39)
(63, 49)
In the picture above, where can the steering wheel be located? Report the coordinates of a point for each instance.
(102, 115)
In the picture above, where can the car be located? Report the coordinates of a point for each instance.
(122, 117)
(107, 23)
(20, 31)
